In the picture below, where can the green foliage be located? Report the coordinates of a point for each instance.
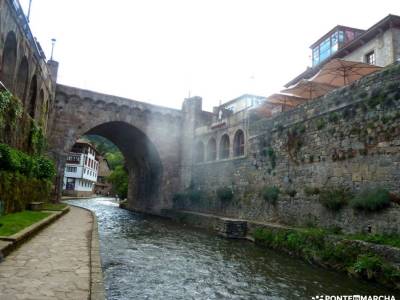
(119, 181)
(371, 199)
(194, 195)
(191, 194)
(367, 265)
(13, 223)
(5, 100)
(179, 200)
(320, 124)
(37, 140)
(291, 192)
(224, 194)
(32, 166)
(304, 242)
(381, 239)
(119, 176)
(312, 245)
(272, 157)
(333, 117)
(103, 145)
(17, 190)
(334, 198)
(310, 191)
(270, 194)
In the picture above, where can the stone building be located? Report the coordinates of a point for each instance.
(379, 45)
(243, 102)
(81, 169)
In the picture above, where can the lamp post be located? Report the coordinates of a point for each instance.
(53, 42)
(29, 10)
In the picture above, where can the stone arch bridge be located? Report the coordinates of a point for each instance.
(150, 137)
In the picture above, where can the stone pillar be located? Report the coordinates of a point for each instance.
(191, 110)
(53, 68)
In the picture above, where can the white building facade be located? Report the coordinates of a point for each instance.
(81, 170)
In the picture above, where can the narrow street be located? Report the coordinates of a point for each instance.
(52, 265)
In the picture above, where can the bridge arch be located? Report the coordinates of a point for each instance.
(147, 135)
(142, 161)
(22, 79)
(9, 61)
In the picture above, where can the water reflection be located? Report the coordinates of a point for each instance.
(151, 258)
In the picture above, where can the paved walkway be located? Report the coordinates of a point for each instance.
(52, 265)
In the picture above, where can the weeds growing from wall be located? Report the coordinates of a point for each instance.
(371, 200)
(270, 194)
(334, 198)
(224, 194)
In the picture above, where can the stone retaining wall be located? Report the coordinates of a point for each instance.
(349, 138)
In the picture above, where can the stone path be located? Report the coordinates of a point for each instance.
(52, 265)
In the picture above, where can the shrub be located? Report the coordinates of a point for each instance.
(179, 200)
(367, 265)
(194, 195)
(310, 191)
(333, 117)
(291, 192)
(320, 123)
(371, 199)
(270, 194)
(18, 190)
(45, 168)
(334, 199)
(224, 194)
(17, 161)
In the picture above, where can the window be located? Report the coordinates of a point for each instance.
(316, 56)
(211, 150)
(224, 147)
(199, 152)
(334, 42)
(71, 169)
(238, 143)
(325, 49)
(73, 159)
(370, 58)
(70, 184)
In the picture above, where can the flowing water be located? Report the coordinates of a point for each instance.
(146, 257)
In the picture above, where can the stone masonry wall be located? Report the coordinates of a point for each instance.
(349, 138)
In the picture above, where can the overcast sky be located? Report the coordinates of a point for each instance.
(159, 51)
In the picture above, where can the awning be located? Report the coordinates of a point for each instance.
(339, 72)
(309, 89)
(286, 100)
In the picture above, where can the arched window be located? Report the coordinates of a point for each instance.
(32, 97)
(224, 147)
(9, 60)
(238, 143)
(199, 152)
(211, 150)
(22, 79)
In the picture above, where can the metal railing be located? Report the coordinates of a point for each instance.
(26, 28)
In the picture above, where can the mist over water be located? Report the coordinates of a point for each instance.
(152, 258)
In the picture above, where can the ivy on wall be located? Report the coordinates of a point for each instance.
(24, 176)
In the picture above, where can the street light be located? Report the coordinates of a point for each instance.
(53, 42)
(29, 10)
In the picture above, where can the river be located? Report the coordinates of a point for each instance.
(146, 257)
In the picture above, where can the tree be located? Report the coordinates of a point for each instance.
(119, 180)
